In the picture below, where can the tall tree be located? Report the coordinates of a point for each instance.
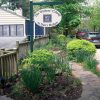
(94, 21)
(71, 11)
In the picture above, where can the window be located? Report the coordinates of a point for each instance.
(13, 30)
(0, 30)
(47, 18)
(20, 30)
(94, 35)
(6, 30)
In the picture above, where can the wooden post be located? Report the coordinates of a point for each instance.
(2, 51)
(17, 53)
(17, 44)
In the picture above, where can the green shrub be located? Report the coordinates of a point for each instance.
(38, 68)
(74, 48)
(41, 57)
(61, 38)
(61, 41)
(31, 78)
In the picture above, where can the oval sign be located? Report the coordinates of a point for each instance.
(47, 17)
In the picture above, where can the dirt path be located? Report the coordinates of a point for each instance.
(91, 83)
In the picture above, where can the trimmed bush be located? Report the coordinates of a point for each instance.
(41, 66)
(74, 48)
(38, 68)
(61, 38)
(41, 57)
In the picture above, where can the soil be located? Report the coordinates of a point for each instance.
(62, 88)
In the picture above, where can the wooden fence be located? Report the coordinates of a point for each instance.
(8, 63)
(9, 58)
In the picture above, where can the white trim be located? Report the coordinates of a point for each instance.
(44, 31)
(24, 29)
(34, 29)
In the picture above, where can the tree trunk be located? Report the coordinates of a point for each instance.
(94, 28)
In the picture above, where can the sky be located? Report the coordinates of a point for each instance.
(91, 2)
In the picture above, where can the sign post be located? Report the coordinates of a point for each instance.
(31, 25)
(47, 17)
(32, 18)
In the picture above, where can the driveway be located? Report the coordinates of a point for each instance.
(97, 55)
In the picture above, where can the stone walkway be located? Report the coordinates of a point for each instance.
(91, 83)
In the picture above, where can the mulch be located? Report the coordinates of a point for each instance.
(62, 88)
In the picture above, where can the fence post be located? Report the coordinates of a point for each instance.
(2, 51)
(17, 54)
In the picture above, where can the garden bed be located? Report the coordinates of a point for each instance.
(62, 88)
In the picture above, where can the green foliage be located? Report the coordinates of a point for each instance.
(62, 65)
(61, 38)
(80, 55)
(90, 63)
(71, 11)
(40, 67)
(61, 41)
(76, 47)
(94, 21)
(16, 88)
(32, 78)
(42, 58)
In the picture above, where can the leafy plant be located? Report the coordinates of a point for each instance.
(62, 65)
(16, 88)
(80, 55)
(76, 47)
(31, 78)
(38, 68)
(61, 38)
(90, 63)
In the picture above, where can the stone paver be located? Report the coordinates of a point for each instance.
(91, 83)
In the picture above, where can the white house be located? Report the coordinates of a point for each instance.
(11, 24)
(14, 27)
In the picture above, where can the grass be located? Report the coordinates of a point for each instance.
(90, 64)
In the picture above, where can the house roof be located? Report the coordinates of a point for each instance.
(12, 12)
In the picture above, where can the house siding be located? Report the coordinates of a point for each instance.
(7, 18)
